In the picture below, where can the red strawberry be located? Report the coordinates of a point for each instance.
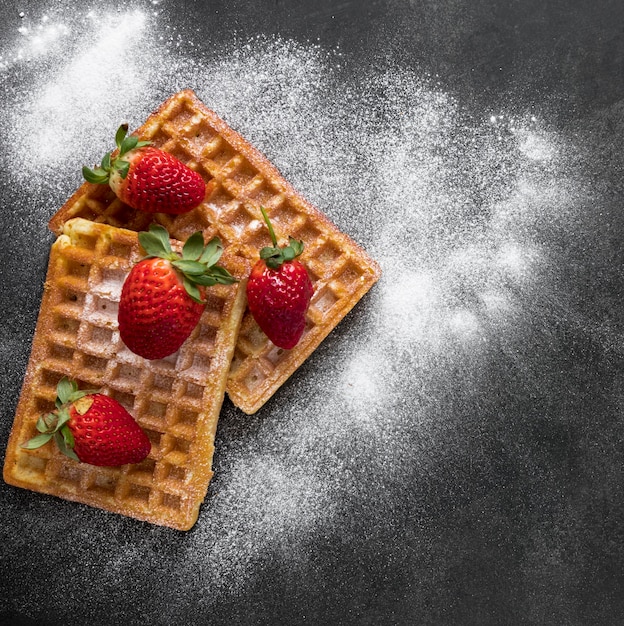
(162, 297)
(279, 290)
(91, 427)
(147, 178)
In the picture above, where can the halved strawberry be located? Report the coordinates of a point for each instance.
(91, 427)
(147, 178)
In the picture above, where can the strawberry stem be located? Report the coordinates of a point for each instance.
(269, 226)
(275, 256)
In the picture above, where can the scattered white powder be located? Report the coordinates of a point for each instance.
(361, 383)
(90, 89)
(459, 212)
(35, 40)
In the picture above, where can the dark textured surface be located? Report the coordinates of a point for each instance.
(484, 484)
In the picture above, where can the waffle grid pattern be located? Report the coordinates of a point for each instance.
(239, 181)
(175, 400)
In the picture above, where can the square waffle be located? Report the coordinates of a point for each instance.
(176, 400)
(239, 181)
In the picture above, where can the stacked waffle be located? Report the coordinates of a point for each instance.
(176, 400)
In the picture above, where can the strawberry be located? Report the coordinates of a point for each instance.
(91, 427)
(279, 290)
(146, 178)
(162, 297)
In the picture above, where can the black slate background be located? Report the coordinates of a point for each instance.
(557, 483)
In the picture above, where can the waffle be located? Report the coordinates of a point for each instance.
(176, 400)
(239, 181)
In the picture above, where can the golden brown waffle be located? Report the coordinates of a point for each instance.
(239, 181)
(176, 400)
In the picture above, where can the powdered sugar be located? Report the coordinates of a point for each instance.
(457, 210)
(34, 40)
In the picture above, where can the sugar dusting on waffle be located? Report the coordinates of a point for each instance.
(453, 208)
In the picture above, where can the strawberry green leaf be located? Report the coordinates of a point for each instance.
(151, 244)
(67, 391)
(45, 423)
(129, 143)
(193, 247)
(80, 393)
(68, 436)
(212, 252)
(122, 167)
(63, 418)
(274, 262)
(296, 245)
(63, 446)
(142, 144)
(92, 176)
(205, 280)
(106, 163)
(192, 290)
(288, 254)
(189, 268)
(122, 131)
(64, 389)
(37, 441)
(162, 234)
(267, 253)
(226, 278)
(156, 241)
(215, 277)
(222, 276)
